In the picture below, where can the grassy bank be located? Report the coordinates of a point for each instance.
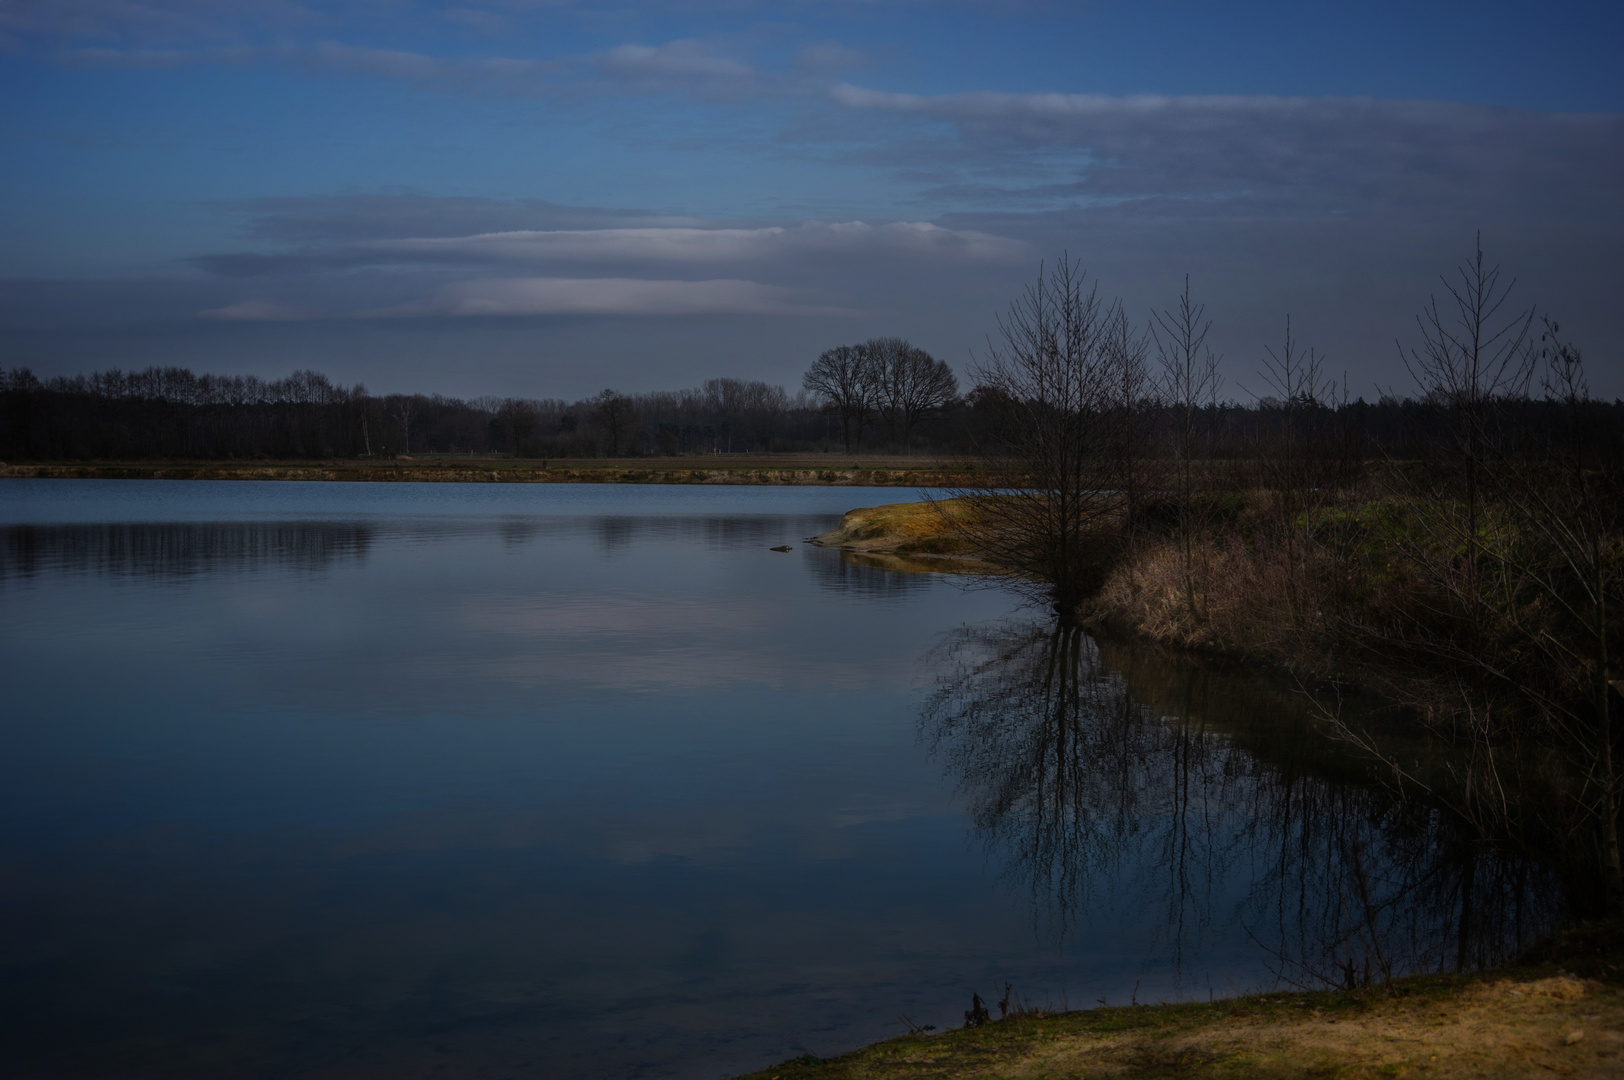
(1278, 587)
(916, 536)
(777, 469)
(911, 528)
(1561, 1012)
(1245, 592)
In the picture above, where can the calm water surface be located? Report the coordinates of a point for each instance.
(575, 781)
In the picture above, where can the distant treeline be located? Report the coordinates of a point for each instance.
(172, 412)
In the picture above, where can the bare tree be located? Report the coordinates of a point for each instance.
(360, 399)
(1188, 380)
(1287, 454)
(884, 359)
(1472, 354)
(744, 403)
(908, 383)
(844, 378)
(613, 412)
(1132, 392)
(405, 407)
(1042, 516)
(516, 421)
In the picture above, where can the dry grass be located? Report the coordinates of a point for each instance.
(1241, 602)
(1518, 1025)
(1241, 606)
(916, 528)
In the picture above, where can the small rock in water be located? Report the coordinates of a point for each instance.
(786, 547)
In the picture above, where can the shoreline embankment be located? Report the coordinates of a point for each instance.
(1560, 1012)
(1558, 1008)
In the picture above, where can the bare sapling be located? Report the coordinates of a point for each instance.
(1187, 380)
(1475, 353)
(1290, 456)
(1132, 394)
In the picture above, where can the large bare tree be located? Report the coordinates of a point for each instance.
(844, 378)
(613, 412)
(1046, 513)
(909, 383)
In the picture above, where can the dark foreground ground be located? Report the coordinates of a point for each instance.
(1560, 1012)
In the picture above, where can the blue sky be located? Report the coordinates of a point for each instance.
(544, 197)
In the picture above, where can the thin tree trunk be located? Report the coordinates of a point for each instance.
(1611, 865)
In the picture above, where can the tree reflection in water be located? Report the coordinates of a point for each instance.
(1122, 786)
(184, 549)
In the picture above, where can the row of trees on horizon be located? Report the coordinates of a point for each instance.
(172, 412)
(884, 395)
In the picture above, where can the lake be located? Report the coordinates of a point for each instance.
(378, 780)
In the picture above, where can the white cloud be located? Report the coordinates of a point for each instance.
(683, 64)
(782, 248)
(254, 311)
(684, 58)
(483, 22)
(1339, 154)
(359, 216)
(828, 56)
(151, 19)
(383, 63)
(126, 59)
(605, 296)
(494, 72)
(329, 57)
(697, 246)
